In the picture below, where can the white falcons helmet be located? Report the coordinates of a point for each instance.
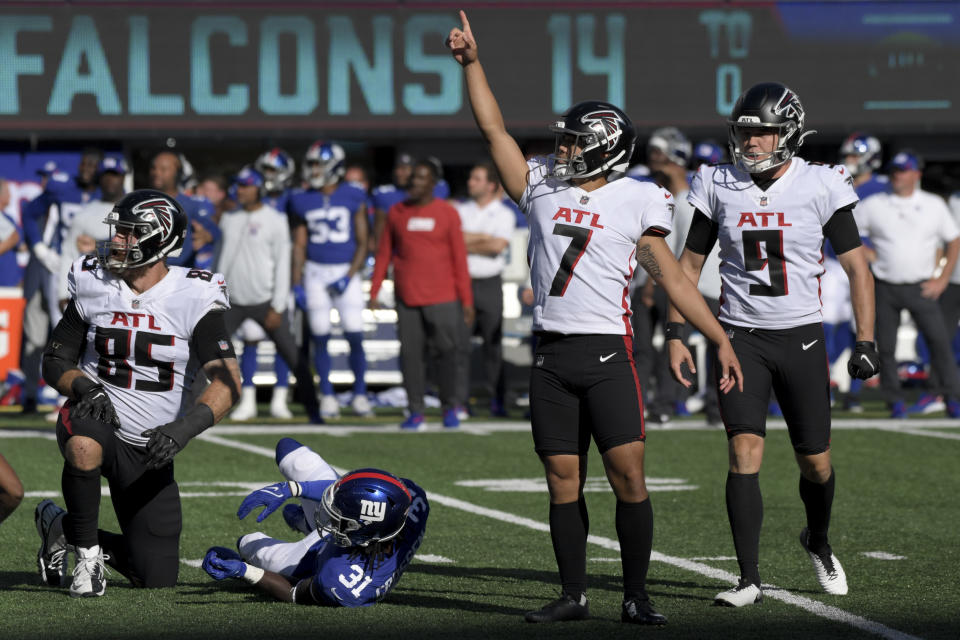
(277, 168)
(867, 150)
(773, 106)
(673, 144)
(324, 163)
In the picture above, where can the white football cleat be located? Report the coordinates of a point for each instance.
(278, 404)
(361, 405)
(247, 407)
(743, 594)
(830, 574)
(88, 576)
(329, 407)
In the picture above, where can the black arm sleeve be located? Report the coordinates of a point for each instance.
(210, 340)
(303, 593)
(841, 230)
(67, 342)
(703, 233)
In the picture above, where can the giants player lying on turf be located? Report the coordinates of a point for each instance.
(369, 524)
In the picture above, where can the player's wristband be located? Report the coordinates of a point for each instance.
(673, 331)
(252, 574)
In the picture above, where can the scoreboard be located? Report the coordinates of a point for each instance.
(257, 69)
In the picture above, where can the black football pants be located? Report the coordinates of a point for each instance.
(147, 504)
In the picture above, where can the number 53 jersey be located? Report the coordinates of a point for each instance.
(140, 345)
(582, 249)
(771, 242)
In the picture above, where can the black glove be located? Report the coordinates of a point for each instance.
(168, 440)
(864, 361)
(93, 401)
(161, 447)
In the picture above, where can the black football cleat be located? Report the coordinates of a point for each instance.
(563, 609)
(636, 611)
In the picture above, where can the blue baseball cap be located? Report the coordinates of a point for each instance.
(113, 165)
(906, 160)
(248, 177)
(49, 168)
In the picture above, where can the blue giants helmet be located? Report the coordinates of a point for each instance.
(277, 167)
(364, 507)
(323, 164)
(864, 151)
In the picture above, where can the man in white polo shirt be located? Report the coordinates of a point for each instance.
(907, 227)
(256, 259)
(487, 225)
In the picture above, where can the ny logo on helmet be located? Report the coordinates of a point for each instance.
(372, 511)
(161, 209)
(789, 107)
(610, 121)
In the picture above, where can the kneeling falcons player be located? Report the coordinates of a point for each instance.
(369, 525)
(132, 338)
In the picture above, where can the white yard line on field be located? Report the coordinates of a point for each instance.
(807, 604)
(930, 433)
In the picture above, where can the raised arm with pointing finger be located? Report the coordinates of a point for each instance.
(504, 150)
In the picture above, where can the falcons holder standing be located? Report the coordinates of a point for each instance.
(132, 339)
(586, 237)
(770, 212)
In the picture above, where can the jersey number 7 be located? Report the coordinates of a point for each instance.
(770, 240)
(578, 244)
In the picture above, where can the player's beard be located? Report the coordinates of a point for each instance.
(132, 273)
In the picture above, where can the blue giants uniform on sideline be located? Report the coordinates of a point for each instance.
(329, 219)
(63, 192)
(198, 209)
(279, 201)
(341, 577)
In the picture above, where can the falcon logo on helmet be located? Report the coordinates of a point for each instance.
(609, 122)
(789, 107)
(162, 210)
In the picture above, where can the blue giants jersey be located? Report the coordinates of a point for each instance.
(278, 201)
(331, 237)
(62, 192)
(198, 209)
(876, 184)
(342, 578)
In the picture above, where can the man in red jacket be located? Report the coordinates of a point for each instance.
(424, 241)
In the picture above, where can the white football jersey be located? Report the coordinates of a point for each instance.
(771, 242)
(582, 249)
(139, 345)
